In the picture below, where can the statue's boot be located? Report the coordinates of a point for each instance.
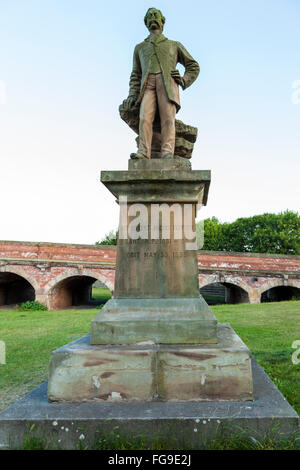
(137, 156)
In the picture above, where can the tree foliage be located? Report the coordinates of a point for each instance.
(265, 233)
(110, 238)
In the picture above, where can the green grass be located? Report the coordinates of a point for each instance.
(236, 439)
(268, 329)
(214, 299)
(30, 337)
(99, 293)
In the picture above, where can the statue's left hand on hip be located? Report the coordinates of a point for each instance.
(177, 77)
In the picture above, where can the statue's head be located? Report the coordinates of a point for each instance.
(154, 20)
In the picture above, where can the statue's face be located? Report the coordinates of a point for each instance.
(154, 20)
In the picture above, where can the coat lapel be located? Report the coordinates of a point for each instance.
(158, 40)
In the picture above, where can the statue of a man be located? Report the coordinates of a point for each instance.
(154, 82)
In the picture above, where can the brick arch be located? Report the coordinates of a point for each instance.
(225, 279)
(100, 277)
(278, 283)
(294, 283)
(210, 279)
(75, 272)
(23, 273)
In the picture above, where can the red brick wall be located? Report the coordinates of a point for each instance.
(249, 261)
(44, 265)
(55, 251)
(107, 254)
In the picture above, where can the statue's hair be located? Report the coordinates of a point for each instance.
(152, 8)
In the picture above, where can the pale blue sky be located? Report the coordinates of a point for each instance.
(65, 65)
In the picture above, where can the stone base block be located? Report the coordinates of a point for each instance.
(147, 371)
(178, 321)
(176, 163)
(186, 425)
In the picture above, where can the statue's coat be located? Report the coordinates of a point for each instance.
(169, 54)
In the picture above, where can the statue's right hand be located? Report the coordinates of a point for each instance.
(129, 102)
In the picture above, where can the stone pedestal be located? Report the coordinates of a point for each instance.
(156, 362)
(180, 424)
(156, 284)
(149, 371)
(166, 321)
(157, 249)
(157, 339)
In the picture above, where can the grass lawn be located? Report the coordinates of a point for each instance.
(212, 299)
(268, 329)
(99, 293)
(30, 337)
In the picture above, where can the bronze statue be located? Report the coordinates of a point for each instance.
(154, 96)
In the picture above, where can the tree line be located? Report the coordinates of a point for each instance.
(265, 233)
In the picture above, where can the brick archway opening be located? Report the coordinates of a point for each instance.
(235, 294)
(224, 293)
(74, 291)
(279, 293)
(14, 289)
